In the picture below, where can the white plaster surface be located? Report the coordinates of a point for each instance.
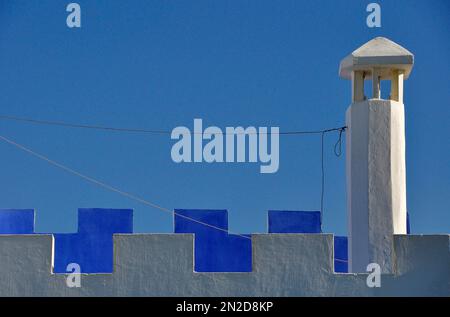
(379, 52)
(376, 181)
(283, 265)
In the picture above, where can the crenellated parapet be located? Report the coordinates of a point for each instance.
(282, 264)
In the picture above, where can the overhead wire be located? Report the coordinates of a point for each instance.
(337, 152)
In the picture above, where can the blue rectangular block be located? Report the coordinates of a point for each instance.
(340, 254)
(281, 221)
(16, 221)
(216, 218)
(230, 253)
(340, 266)
(93, 252)
(92, 246)
(104, 220)
(214, 250)
(341, 247)
(408, 224)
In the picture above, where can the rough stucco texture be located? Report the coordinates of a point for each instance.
(376, 181)
(215, 250)
(282, 265)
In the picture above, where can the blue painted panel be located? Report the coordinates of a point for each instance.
(214, 250)
(16, 221)
(281, 221)
(340, 254)
(92, 246)
(341, 247)
(104, 220)
(340, 266)
(408, 225)
(217, 218)
(226, 253)
(238, 254)
(93, 252)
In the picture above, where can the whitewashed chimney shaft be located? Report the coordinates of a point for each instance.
(376, 171)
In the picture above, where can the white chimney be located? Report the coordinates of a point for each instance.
(376, 171)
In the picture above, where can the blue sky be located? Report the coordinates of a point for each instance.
(160, 64)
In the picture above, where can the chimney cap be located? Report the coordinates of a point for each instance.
(379, 52)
